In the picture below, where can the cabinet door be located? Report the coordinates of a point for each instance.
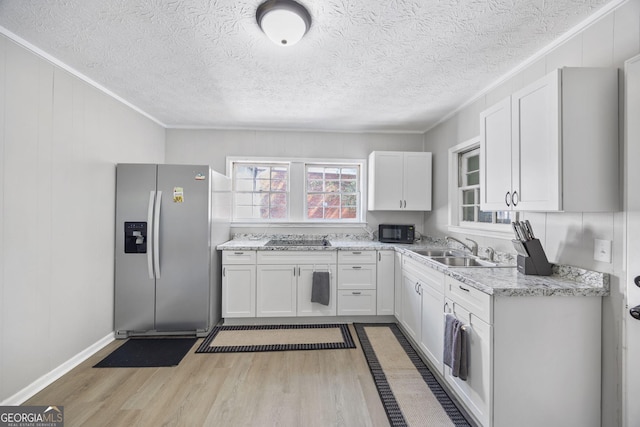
(411, 304)
(397, 311)
(305, 283)
(385, 283)
(432, 328)
(357, 303)
(536, 145)
(276, 290)
(495, 157)
(416, 182)
(239, 291)
(385, 180)
(476, 390)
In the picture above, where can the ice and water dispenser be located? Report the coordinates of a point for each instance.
(135, 237)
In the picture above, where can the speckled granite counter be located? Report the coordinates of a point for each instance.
(500, 281)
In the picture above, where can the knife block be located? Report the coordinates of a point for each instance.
(531, 258)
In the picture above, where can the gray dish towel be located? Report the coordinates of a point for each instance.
(321, 287)
(455, 353)
(450, 323)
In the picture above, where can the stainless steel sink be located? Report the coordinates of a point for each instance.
(439, 252)
(457, 261)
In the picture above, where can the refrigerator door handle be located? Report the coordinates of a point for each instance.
(156, 235)
(150, 238)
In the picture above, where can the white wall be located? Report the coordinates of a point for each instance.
(213, 146)
(568, 238)
(61, 139)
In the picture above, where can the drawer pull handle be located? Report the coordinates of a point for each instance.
(356, 267)
(238, 253)
(356, 293)
(464, 289)
(356, 253)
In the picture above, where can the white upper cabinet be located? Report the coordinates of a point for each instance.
(399, 181)
(545, 145)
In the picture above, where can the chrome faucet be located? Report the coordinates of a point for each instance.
(473, 248)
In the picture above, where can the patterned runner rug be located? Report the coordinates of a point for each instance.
(409, 392)
(231, 339)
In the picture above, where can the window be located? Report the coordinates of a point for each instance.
(464, 190)
(297, 190)
(332, 192)
(261, 191)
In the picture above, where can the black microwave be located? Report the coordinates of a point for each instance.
(396, 233)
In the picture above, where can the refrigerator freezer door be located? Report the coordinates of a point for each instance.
(134, 289)
(183, 287)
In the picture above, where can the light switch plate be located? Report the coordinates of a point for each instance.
(602, 250)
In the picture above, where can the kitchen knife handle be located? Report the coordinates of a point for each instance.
(150, 239)
(156, 235)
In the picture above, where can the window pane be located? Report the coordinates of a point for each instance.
(349, 200)
(484, 216)
(473, 163)
(468, 213)
(263, 185)
(314, 200)
(332, 213)
(473, 178)
(349, 213)
(349, 187)
(315, 213)
(468, 197)
(505, 217)
(314, 186)
(332, 200)
(332, 186)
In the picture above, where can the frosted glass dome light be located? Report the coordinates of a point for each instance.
(285, 22)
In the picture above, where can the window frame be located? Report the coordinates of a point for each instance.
(297, 191)
(501, 231)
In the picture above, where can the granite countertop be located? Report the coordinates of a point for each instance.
(504, 280)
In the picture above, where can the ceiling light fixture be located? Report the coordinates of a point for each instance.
(285, 22)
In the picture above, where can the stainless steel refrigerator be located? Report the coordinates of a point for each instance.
(167, 277)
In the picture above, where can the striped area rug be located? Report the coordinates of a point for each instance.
(409, 392)
(235, 339)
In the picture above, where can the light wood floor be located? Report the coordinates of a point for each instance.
(291, 388)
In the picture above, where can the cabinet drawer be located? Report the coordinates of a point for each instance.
(473, 300)
(357, 257)
(357, 276)
(323, 257)
(356, 302)
(238, 257)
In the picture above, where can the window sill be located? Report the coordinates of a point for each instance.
(308, 224)
(477, 231)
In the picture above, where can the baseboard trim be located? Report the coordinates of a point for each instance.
(48, 378)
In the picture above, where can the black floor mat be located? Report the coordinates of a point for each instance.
(147, 353)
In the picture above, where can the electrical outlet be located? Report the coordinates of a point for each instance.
(602, 250)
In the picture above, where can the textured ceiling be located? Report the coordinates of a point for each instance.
(378, 65)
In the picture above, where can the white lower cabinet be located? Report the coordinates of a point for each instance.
(284, 282)
(385, 283)
(422, 308)
(532, 360)
(238, 284)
